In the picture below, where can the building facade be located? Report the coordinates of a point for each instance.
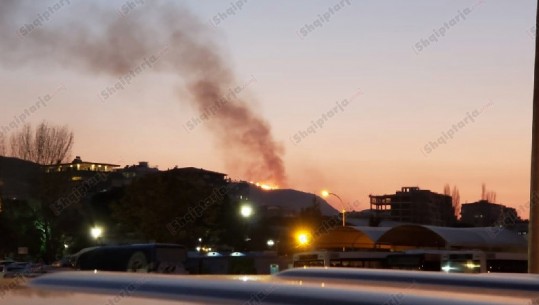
(413, 205)
(486, 214)
(79, 170)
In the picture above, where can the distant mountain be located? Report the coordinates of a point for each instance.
(287, 199)
(17, 177)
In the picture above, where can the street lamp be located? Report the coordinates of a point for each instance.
(326, 194)
(246, 211)
(96, 232)
(303, 238)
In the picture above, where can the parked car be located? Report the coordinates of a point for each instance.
(17, 269)
(156, 258)
(65, 262)
(23, 269)
(3, 268)
(6, 262)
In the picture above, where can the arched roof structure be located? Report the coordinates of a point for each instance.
(484, 238)
(350, 237)
(422, 236)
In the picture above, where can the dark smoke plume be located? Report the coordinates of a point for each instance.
(83, 36)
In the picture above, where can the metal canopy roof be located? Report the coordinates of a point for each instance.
(412, 235)
(350, 237)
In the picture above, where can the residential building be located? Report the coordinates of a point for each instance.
(128, 174)
(79, 170)
(487, 214)
(413, 205)
(212, 178)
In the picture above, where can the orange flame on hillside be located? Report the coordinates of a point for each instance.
(265, 186)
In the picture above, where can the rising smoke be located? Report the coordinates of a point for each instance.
(86, 37)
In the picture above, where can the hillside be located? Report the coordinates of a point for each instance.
(17, 177)
(288, 199)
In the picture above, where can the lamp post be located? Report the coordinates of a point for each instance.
(246, 212)
(326, 194)
(96, 232)
(303, 238)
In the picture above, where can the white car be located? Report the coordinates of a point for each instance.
(3, 267)
(294, 286)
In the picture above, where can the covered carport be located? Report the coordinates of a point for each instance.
(421, 236)
(350, 238)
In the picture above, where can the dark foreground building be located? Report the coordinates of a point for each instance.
(413, 205)
(486, 214)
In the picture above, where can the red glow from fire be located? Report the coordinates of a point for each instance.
(266, 186)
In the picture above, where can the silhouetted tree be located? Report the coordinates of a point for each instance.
(166, 207)
(447, 189)
(48, 145)
(455, 197)
(487, 195)
(45, 145)
(57, 226)
(491, 196)
(18, 228)
(2, 144)
(231, 228)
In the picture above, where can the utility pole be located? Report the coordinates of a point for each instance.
(533, 230)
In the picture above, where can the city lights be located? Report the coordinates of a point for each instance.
(246, 211)
(96, 232)
(303, 238)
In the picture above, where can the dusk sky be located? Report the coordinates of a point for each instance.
(363, 96)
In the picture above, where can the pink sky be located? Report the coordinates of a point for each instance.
(374, 145)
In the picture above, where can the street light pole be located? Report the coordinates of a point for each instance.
(326, 193)
(97, 233)
(246, 212)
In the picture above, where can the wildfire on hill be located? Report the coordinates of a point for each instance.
(265, 186)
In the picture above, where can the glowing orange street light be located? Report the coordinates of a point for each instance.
(303, 238)
(326, 193)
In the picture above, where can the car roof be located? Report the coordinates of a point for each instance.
(6, 262)
(313, 286)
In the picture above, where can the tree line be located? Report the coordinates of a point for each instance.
(46, 144)
(52, 225)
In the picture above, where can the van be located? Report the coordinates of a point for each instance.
(156, 258)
